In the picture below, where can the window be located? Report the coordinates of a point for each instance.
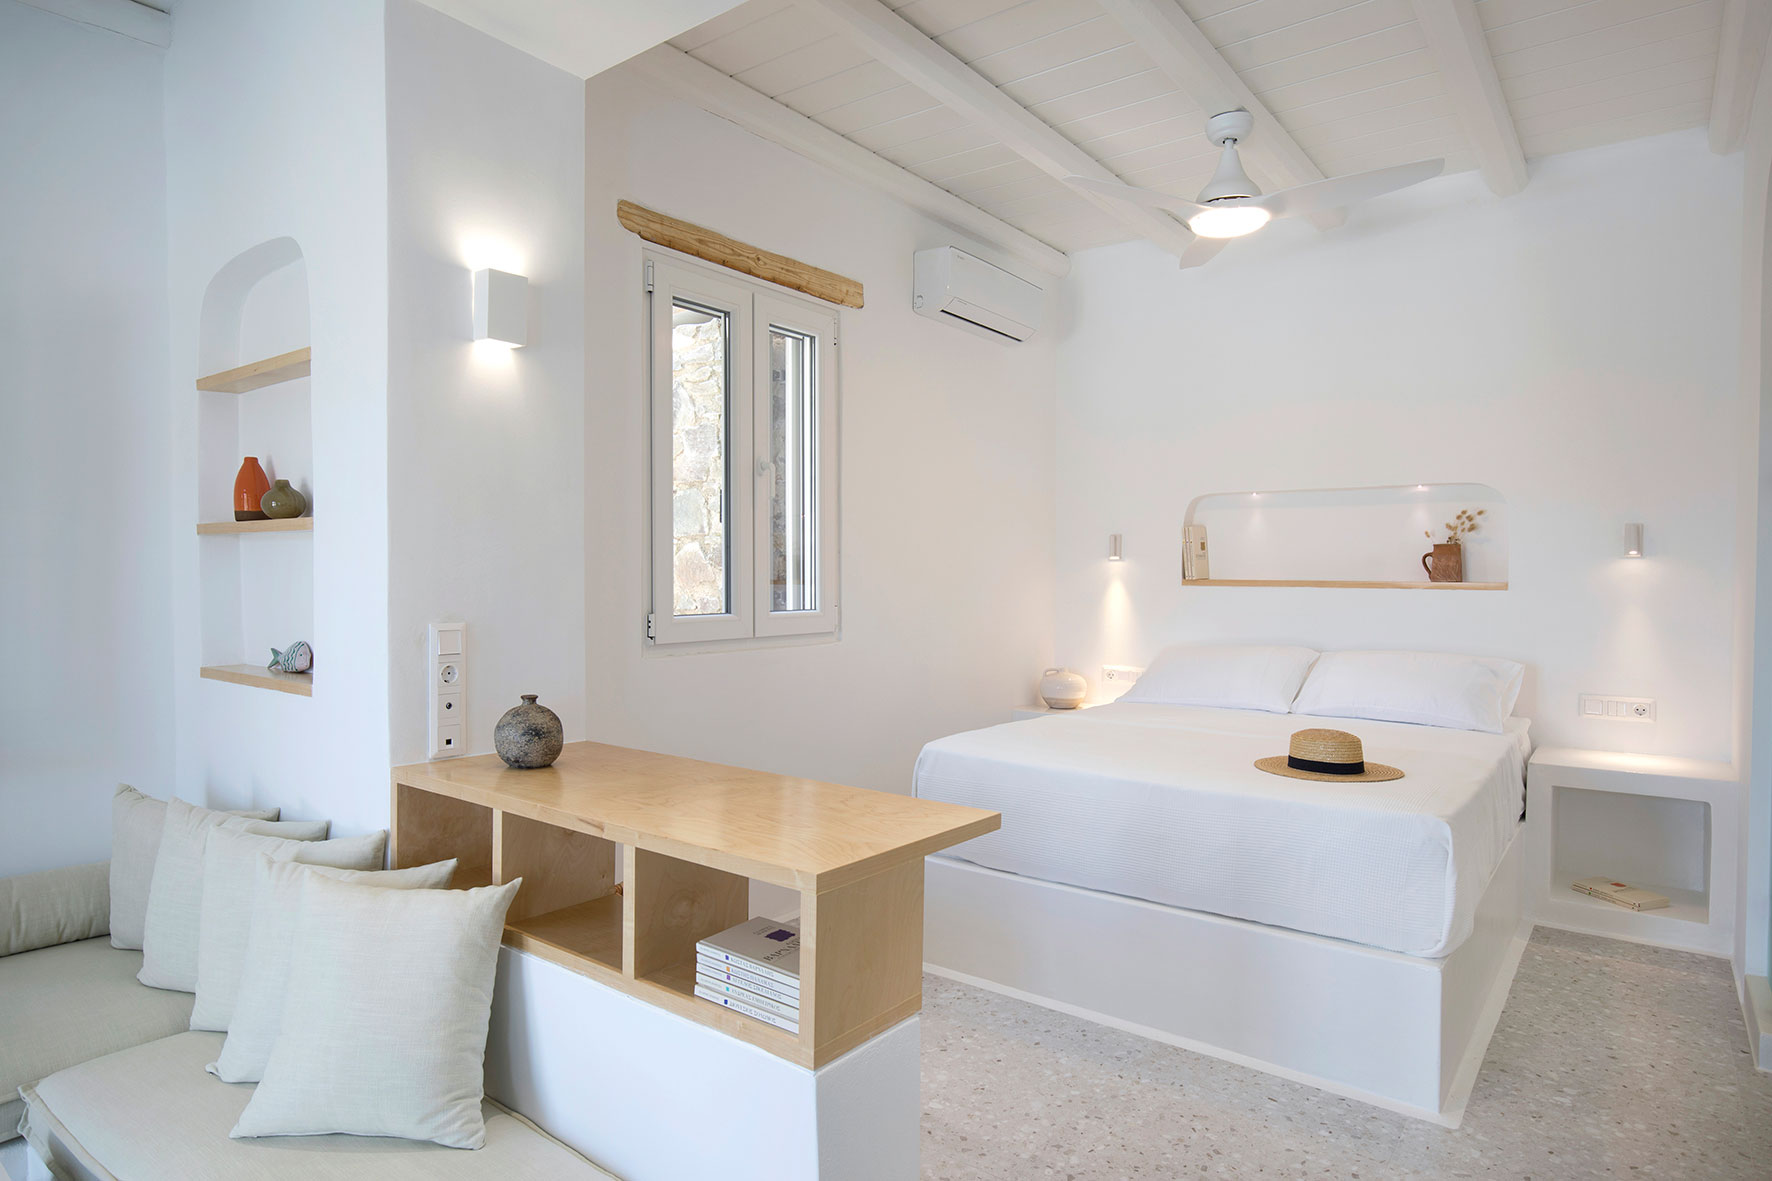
(743, 393)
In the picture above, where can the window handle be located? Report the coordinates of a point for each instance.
(764, 467)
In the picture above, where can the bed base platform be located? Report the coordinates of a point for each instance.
(1397, 1031)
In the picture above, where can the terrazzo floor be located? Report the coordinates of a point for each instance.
(1611, 1060)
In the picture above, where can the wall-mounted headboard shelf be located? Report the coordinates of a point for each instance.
(1350, 538)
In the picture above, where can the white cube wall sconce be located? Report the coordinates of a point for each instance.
(501, 310)
(1633, 540)
(1114, 554)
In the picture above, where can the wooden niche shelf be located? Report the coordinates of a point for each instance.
(286, 525)
(1345, 584)
(259, 374)
(689, 838)
(255, 677)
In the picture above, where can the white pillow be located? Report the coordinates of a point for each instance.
(264, 966)
(175, 899)
(136, 821)
(384, 1023)
(1226, 676)
(1425, 688)
(230, 867)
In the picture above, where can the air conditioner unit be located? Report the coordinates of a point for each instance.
(949, 284)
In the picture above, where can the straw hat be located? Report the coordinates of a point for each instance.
(1327, 756)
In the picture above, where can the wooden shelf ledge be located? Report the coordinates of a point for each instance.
(259, 374)
(254, 677)
(1346, 585)
(286, 525)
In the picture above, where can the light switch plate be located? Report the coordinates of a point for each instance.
(446, 695)
(1598, 707)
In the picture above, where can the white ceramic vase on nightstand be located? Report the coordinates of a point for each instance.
(1061, 688)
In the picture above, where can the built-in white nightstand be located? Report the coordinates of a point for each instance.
(1023, 712)
(1665, 824)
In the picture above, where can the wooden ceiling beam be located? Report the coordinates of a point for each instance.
(1195, 66)
(903, 48)
(1741, 55)
(1460, 48)
(763, 116)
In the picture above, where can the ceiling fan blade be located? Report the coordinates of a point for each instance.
(1341, 191)
(1137, 196)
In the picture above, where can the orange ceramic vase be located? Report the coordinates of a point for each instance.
(250, 487)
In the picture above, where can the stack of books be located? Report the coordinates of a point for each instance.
(754, 969)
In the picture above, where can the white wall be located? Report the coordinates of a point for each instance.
(275, 128)
(947, 490)
(1753, 930)
(1554, 345)
(86, 700)
(486, 454)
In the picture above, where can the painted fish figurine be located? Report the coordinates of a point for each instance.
(297, 658)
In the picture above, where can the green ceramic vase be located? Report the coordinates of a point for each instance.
(283, 502)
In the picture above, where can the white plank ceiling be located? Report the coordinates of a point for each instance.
(1353, 81)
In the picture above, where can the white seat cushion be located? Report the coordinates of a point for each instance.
(152, 1114)
(62, 1005)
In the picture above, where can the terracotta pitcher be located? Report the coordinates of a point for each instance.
(1445, 564)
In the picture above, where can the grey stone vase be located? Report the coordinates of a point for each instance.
(529, 735)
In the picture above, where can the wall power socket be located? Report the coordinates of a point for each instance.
(1119, 674)
(1618, 709)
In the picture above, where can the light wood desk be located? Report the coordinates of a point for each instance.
(690, 836)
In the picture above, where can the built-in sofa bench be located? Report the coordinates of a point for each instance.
(103, 1079)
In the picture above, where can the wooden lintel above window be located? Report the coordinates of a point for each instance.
(712, 246)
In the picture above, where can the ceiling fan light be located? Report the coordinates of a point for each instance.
(1228, 221)
(1229, 180)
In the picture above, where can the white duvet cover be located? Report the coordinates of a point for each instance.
(1163, 802)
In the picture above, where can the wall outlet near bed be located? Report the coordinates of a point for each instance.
(1618, 709)
(1119, 674)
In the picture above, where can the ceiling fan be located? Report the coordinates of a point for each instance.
(1231, 205)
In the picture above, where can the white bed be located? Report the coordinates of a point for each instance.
(1357, 937)
(1161, 802)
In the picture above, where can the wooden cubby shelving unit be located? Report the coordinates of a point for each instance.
(255, 677)
(689, 837)
(258, 374)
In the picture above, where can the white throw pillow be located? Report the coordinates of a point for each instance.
(384, 1023)
(264, 968)
(1245, 676)
(1423, 688)
(136, 822)
(175, 899)
(230, 867)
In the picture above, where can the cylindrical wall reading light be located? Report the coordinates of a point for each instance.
(1633, 540)
(1114, 554)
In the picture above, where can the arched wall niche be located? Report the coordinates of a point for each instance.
(1349, 535)
(257, 588)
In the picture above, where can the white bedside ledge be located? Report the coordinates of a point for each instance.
(1023, 712)
(1664, 823)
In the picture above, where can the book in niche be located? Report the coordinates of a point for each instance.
(783, 1009)
(1621, 894)
(738, 1006)
(767, 947)
(732, 973)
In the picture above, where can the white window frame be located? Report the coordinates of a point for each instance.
(752, 309)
